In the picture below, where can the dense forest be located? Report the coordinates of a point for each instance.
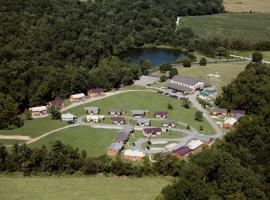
(51, 48)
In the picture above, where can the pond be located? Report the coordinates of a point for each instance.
(156, 56)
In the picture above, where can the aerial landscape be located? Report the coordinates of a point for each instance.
(135, 99)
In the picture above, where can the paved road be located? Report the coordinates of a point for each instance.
(249, 59)
(218, 131)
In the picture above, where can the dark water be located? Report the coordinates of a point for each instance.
(155, 55)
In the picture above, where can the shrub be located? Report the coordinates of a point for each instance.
(257, 57)
(203, 61)
(163, 78)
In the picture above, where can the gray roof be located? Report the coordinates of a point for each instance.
(169, 122)
(139, 112)
(203, 138)
(186, 80)
(179, 88)
(116, 146)
(93, 109)
(128, 129)
(116, 110)
(142, 120)
(122, 137)
(221, 110)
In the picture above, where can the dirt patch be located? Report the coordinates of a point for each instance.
(15, 137)
(247, 5)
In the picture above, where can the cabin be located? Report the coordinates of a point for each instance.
(143, 122)
(181, 152)
(133, 155)
(169, 124)
(38, 111)
(220, 112)
(205, 139)
(92, 110)
(56, 102)
(96, 92)
(114, 149)
(118, 120)
(161, 115)
(77, 97)
(229, 123)
(117, 112)
(237, 113)
(68, 117)
(194, 144)
(185, 84)
(95, 118)
(139, 113)
(152, 131)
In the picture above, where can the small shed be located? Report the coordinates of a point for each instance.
(77, 97)
(92, 110)
(38, 111)
(134, 155)
(161, 114)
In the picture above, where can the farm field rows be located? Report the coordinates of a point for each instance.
(83, 188)
(255, 27)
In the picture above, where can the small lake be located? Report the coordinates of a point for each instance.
(156, 56)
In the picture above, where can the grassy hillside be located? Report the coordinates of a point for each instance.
(247, 5)
(82, 188)
(252, 27)
(145, 100)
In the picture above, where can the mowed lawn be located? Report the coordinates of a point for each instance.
(266, 54)
(149, 101)
(251, 27)
(227, 72)
(247, 5)
(81, 188)
(33, 128)
(94, 141)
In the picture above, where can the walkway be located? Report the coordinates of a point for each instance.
(249, 59)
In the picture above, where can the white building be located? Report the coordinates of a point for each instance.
(194, 144)
(38, 111)
(185, 84)
(68, 117)
(95, 118)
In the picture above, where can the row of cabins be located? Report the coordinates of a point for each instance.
(192, 146)
(42, 110)
(232, 120)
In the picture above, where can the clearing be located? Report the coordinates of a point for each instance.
(247, 5)
(266, 54)
(227, 72)
(94, 141)
(242, 26)
(83, 188)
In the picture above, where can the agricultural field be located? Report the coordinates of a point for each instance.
(149, 101)
(227, 72)
(247, 5)
(93, 141)
(83, 188)
(244, 26)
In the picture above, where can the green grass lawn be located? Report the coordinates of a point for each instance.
(227, 72)
(145, 100)
(81, 188)
(251, 27)
(94, 141)
(266, 54)
(33, 128)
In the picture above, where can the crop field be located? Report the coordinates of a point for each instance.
(250, 27)
(247, 5)
(147, 101)
(83, 188)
